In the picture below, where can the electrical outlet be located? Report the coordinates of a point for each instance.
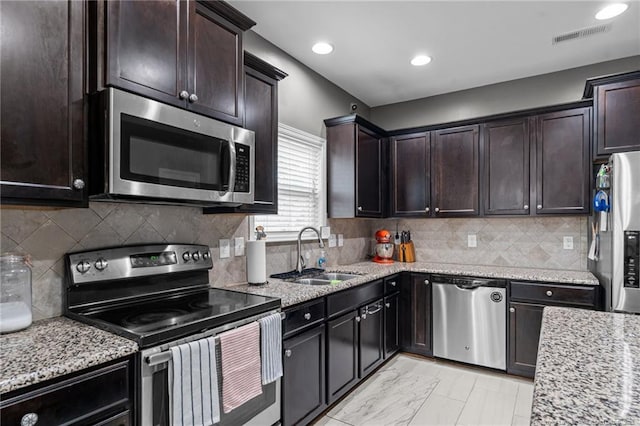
(239, 246)
(340, 240)
(567, 243)
(332, 240)
(225, 249)
(325, 231)
(472, 241)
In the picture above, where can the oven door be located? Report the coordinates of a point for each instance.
(159, 151)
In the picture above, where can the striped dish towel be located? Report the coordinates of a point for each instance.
(193, 390)
(240, 356)
(271, 347)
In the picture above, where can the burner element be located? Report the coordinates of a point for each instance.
(164, 316)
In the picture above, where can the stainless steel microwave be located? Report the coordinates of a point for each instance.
(143, 150)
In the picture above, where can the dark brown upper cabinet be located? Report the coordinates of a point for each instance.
(411, 175)
(454, 171)
(43, 149)
(616, 108)
(182, 52)
(261, 116)
(356, 168)
(563, 162)
(505, 176)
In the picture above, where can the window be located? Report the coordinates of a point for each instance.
(301, 186)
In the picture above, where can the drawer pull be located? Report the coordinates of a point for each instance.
(512, 310)
(388, 305)
(29, 419)
(549, 293)
(307, 316)
(358, 319)
(426, 282)
(287, 353)
(393, 283)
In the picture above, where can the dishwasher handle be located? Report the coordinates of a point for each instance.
(470, 285)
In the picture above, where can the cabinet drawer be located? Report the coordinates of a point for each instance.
(391, 284)
(555, 293)
(350, 299)
(303, 316)
(83, 399)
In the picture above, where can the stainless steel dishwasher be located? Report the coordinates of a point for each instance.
(469, 320)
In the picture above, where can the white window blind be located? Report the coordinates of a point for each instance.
(301, 185)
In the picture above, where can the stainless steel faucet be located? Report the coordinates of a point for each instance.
(300, 261)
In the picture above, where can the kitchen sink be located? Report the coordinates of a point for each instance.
(326, 279)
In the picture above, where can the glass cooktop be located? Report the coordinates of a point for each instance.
(161, 320)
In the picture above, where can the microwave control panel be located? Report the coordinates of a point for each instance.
(632, 259)
(242, 168)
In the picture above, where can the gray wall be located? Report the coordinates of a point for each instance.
(542, 90)
(305, 97)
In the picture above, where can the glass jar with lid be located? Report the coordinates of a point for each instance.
(15, 293)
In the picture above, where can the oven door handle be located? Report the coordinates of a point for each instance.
(159, 358)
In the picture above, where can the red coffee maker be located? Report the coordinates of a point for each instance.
(384, 247)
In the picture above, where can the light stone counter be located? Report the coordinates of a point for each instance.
(54, 347)
(588, 368)
(293, 293)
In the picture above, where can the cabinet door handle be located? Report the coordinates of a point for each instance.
(427, 209)
(437, 210)
(388, 305)
(183, 94)
(359, 208)
(193, 98)
(358, 319)
(287, 353)
(539, 206)
(29, 419)
(549, 293)
(307, 316)
(393, 283)
(78, 183)
(426, 282)
(526, 206)
(364, 316)
(512, 310)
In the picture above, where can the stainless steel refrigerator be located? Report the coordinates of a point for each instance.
(618, 233)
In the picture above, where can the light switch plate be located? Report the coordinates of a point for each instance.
(325, 231)
(567, 243)
(239, 246)
(340, 240)
(225, 249)
(472, 241)
(332, 240)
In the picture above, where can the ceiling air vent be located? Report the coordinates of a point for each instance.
(585, 32)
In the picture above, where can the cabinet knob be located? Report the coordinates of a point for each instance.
(526, 206)
(393, 283)
(359, 208)
(388, 305)
(184, 94)
(426, 282)
(549, 293)
(512, 310)
(427, 209)
(287, 353)
(358, 319)
(29, 419)
(307, 316)
(364, 316)
(78, 183)
(539, 206)
(193, 98)
(437, 210)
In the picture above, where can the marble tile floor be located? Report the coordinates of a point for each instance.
(417, 391)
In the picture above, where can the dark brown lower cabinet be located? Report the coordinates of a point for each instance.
(371, 332)
(303, 384)
(525, 320)
(342, 355)
(391, 323)
(416, 301)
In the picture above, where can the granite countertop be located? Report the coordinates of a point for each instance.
(588, 368)
(294, 293)
(54, 347)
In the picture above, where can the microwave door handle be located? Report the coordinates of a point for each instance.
(232, 166)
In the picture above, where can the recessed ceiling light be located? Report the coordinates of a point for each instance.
(420, 60)
(611, 11)
(322, 48)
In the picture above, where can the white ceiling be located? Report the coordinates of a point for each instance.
(473, 43)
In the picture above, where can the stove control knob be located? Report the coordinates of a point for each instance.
(186, 257)
(195, 256)
(206, 255)
(83, 266)
(101, 264)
